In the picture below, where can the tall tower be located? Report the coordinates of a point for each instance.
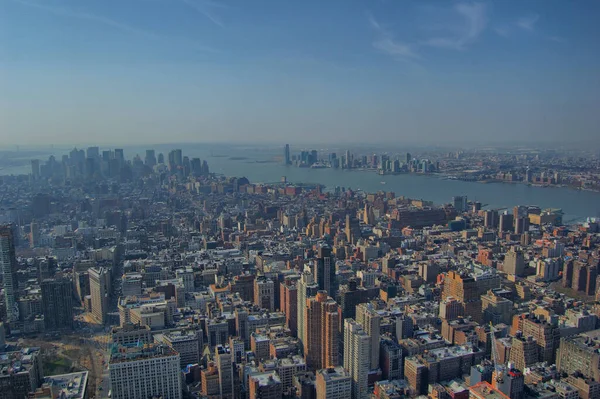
(325, 270)
(370, 322)
(287, 160)
(357, 352)
(99, 290)
(225, 366)
(322, 324)
(57, 303)
(306, 289)
(8, 264)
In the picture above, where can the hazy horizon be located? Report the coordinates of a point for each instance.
(447, 73)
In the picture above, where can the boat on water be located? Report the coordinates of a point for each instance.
(382, 182)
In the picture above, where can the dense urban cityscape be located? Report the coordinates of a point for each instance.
(154, 277)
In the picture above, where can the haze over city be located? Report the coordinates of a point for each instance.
(157, 71)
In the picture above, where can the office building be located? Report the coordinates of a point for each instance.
(514, 262)
(225, 366)
(580, 353)
(370, 320)
(8, 264)
(57, 303)
(289, 304)
(391, 361)
(35, 169)
(188, 343)
(131, 284)
(264, 293)
(131, 334)
(21, 373)
(325, 270)
(306, 288)
(150, 159)
(322, 328)
(460, 203)
(523, 352)
(265, 386)
(441, 364)
(506, 222)
(287, 160)
(496, 309)
(63, 386)
(146, 371)
(490, 219)
(100, 291)
(333, 383)
(34, 234)
(357, 355)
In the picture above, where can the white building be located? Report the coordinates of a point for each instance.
(357, 357)
(144, 372)
(333, 383)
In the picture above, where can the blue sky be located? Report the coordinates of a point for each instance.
(379, 71)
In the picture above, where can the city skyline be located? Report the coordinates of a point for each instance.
(381, 72)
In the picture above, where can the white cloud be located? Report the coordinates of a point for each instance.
(473, 21)
(528, 22)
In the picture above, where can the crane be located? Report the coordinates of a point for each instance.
(498, 368)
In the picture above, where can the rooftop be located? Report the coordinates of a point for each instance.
(68, 386)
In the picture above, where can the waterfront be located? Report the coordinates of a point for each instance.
(263, 164)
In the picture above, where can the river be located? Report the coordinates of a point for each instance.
(259, 164)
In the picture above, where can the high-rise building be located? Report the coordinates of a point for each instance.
(34, 234)
(333, 383)
(289, 304)
(521, 225)
(146, 371)
(514, 262)
(391, 361)
(264, 293)
(491, 219)
(370, 320)
(286, 155)
(523, 352)
(506, 222)
(353, 232)
(57, 303)
(22, 373)
(306, 288)
(265, 386)
(150, 159)
(357, 355)
(460, 203)
(35, 169)
(8, 264)
(322, 327)
(579, 353)
(225, 367)
(99, 290)
(188, 343)
(325, 270)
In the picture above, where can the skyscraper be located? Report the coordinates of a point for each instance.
(57, 303)
(99, 290)
(322, 324)
(150, 159)
(325, 270)
(357, 355)
(225, 366)
(35, 169)
(306, 289)
(286, 155)
(8, 264)
(147, 371)
(370, 322)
